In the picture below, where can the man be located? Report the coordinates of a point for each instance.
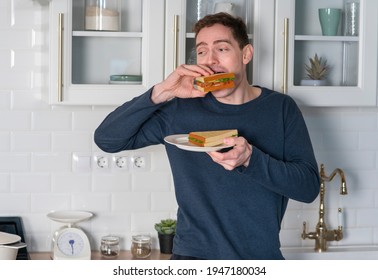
(231, 203)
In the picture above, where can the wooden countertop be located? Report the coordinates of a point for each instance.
(124, 255)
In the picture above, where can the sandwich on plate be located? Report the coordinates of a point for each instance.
(215, 82)
(211, 138)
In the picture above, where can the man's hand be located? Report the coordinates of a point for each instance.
(180, 83)
(238, 156)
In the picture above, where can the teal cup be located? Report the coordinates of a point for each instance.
(329, 21)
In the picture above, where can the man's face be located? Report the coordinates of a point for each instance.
(217, 48)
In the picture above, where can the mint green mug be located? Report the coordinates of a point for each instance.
(329, 21)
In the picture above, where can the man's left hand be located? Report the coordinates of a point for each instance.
(238, 156)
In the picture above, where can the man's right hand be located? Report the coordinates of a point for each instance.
(180, 83)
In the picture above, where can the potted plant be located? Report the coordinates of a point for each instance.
(316, 72)
(166, 231)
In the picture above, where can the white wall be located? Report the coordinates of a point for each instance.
(37, 142)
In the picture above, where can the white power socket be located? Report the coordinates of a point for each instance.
(140, 162)
(120, 163)
(101, 162)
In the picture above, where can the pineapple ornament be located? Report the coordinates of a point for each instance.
(316, 72)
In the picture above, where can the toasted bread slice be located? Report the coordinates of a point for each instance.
(211, 138)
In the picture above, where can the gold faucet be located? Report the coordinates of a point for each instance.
(322, 235)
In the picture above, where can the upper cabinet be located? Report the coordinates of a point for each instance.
(349, 49)
(104, 52)
(181, 15)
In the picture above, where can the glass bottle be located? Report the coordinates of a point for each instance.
(102, 15)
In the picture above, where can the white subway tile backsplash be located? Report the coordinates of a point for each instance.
(47, 202)
(14, 121)
(30, 100)
(12, 203)
(87, 120)
(131, 202)
(52, 121)
(111, 182)
(367, 217)
(51, 162)
(20, 80)
(359, 122)
(163, 202)
(71, 182)
(5, 183)
(92, 202)
(31, 141)
(68, 141)
(5, 141)
(151, 181)
(21, 39)
(31, 183)
(368, 140)
(5, 100)
(6, 58)
(37, 142)
(14, 162)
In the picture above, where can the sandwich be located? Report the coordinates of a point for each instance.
(210, 138)
(215, 82)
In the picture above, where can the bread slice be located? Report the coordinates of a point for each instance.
(210, 138)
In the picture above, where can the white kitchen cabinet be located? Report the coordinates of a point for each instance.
(352, 59)
(181, 15)
(82, 61)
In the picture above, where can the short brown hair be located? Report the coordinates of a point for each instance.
(236, 24)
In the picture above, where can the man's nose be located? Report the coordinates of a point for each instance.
(212, 58)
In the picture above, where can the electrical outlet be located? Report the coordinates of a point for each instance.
(120, 163)
(101, 162)
(140, 162)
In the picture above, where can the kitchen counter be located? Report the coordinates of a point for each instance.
(124, 255)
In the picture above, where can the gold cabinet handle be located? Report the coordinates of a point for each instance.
(60, 58)
(286, 55)
(175, 41)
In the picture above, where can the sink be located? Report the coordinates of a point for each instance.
(366, 252)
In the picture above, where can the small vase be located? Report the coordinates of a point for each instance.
(166, 243)
(313, 83)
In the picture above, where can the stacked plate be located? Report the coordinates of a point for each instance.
(126, 79)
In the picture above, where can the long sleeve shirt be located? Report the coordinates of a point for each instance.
(225, 214)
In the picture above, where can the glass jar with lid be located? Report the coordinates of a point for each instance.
(109, 246)
(141, 246)
(102, 15)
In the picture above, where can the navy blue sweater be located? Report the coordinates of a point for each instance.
(225, 214)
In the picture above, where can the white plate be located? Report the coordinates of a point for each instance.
(69, 217)
(125, 82)
(181, 141)
(8, 238)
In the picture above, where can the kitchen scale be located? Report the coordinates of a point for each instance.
(70, 242)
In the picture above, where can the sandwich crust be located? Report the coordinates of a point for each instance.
(211, 138)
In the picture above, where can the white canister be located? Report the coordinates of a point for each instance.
(102, 15)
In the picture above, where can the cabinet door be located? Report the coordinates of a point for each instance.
(105, 67)
(351, 60)
(181, 15)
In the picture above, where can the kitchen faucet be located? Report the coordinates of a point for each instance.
(322, 235)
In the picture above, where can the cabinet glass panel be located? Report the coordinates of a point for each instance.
(106, 40)
(338, 48)
(196, 9)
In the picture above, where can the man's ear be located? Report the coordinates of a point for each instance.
(247, 53)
